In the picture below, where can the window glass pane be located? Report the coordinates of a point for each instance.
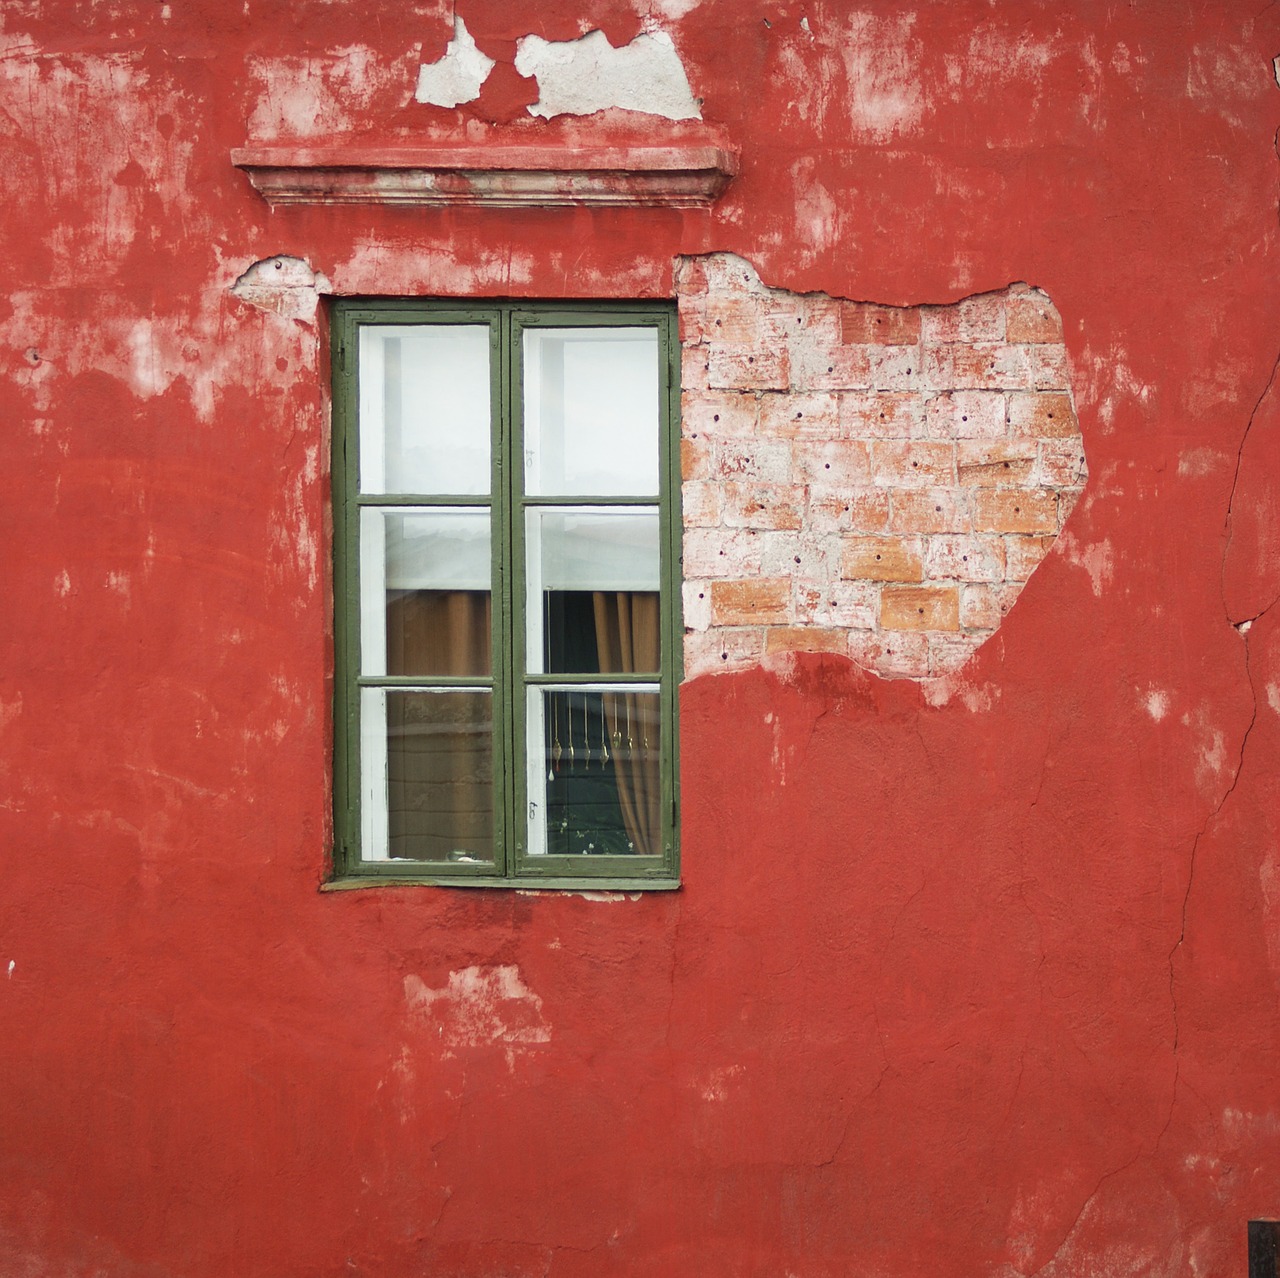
(424, 408)
(425, 596)
(595, 760)
(591, 411)
(592, 583)
(433, 767)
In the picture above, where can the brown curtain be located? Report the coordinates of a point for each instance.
(440, 744)
(628, 637)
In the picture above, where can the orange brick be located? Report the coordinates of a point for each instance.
(764, 506)
(1031, 317)
(881, 559)
(812, 416)
(719, 415)
(847, 605)
(1042, 415)
(973, 319)
(754, 602)
(803, 639)
(920, 608)
(1062, 463)
(881, 415)
(694, 368)
(837, 463)
(720, 552)
(817, 365)
(984, 607)
(714, 650)
(735, 320)
(965, 557)
(947, 653)
(866, 324)
(1023, 555)
(767, 461)
(984, 464)
(693, 319)
(732, 368)
(912, 463)
(854, 510)
(1014, 510)
(1048, 364)
(979, 366)
(937, 510)
(966, 415)
(695, 459)
(895, 653)
(891, 368)
(700, 504)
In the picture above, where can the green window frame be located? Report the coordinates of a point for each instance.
(438, 742)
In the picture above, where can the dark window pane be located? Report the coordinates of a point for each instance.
(601, 762)
(440, 775)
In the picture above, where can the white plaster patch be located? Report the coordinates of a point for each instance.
(1212, 761)
(1199, 462)
(1106, 382)
(480, 1007)
(285, 286)
(886, 96)
(1096, 559)
(458, 76)
(1157, 703)
(323, 94)
(1273, 696)
(716, 1087)
(580, 77)
(817, 214)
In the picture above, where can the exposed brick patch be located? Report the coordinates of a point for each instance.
(873, 480)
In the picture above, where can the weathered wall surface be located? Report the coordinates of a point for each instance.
(972, 974)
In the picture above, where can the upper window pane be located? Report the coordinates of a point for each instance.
(591, 412)
(424, 409)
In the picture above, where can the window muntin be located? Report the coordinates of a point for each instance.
(507, 642)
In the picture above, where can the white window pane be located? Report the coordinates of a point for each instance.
(424, 592)
(591, 411)
(424, 409)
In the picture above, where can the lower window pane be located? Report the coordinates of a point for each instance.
(599, 772)
(439, 770)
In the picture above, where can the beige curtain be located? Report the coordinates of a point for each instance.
(628, 637)
(440, 744)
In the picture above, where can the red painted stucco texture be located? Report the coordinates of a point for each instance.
(969, 975)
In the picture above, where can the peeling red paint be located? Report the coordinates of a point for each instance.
(978, 979)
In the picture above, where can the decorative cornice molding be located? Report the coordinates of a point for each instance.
(499, 176)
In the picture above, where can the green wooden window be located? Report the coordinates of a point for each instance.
(507, 631)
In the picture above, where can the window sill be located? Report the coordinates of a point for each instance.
(520, 175)
(602, 887)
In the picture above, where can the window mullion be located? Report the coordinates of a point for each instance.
(512, 584)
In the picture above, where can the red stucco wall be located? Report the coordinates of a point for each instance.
(970, 980)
